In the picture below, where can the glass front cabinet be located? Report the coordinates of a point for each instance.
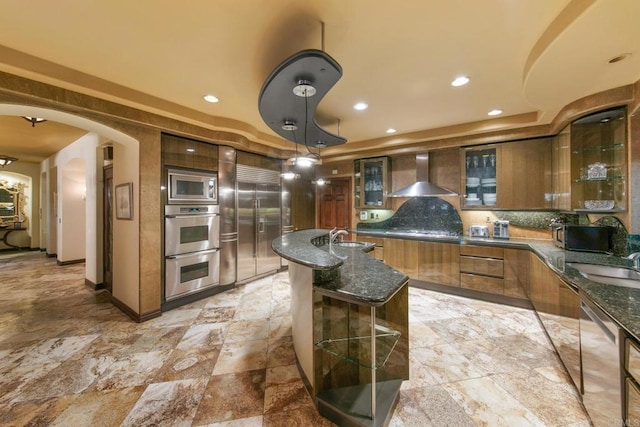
(598, 162)
(371, 182)
(480, 179)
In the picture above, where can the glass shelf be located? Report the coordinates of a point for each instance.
(600, 148)
(358, 349)
(596, 180)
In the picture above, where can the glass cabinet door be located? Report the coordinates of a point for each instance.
(599, 162)
(480, 178)
(371, 182)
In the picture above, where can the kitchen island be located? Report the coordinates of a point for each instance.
(341, 298)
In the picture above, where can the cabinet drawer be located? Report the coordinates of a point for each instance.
(482, 251)
(492, 285)
(482, 266)
(633, 402)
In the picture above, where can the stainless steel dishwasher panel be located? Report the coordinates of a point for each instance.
(602, 377)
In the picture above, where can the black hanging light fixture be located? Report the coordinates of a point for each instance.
(290, 96)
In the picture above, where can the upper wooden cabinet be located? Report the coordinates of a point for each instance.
(187, 153)
(371, 182)
(512, 175)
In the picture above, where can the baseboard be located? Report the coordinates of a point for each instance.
(470, 293)
(94, 286)
(170, 305)
(51, 255)
(73, 261)
(139, 318)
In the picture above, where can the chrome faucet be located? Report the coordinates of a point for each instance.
(334, 233)
(635, 257)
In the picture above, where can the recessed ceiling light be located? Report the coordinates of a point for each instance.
(191, 150)
(495, 112)
(360, 106)
(460, 81)
(211, 98)
(391, 130)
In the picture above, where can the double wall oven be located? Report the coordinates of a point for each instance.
(192, 233)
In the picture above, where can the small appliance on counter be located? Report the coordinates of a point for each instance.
(478, 231)
(501, 229)
(588, 238)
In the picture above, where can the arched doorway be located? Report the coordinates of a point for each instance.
(126, 169)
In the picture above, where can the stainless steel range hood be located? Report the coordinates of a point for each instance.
(422, 187)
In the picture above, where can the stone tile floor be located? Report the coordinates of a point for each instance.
(68, 357)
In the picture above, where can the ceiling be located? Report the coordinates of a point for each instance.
(528, 58)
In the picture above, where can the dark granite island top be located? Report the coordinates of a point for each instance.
(346, 273)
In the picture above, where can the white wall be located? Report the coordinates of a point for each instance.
(72, 203)
(77, 190)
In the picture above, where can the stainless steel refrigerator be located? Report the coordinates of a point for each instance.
(258, 195)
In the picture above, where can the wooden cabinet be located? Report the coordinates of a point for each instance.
(599, 162)
(371, 182)
(482, 268)
(524, 175)
(187, 153)
(439, 263)
(402, 255)
(516, 273)
(378, 250)
(558, 306)
(511, 175)
(432, 262)
(631, 371)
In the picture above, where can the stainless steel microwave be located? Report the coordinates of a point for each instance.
(192, 187)
(589, 238)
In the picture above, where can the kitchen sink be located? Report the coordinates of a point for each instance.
(608, 274)
(350, 244)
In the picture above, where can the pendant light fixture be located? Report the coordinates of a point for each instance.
(291, 93)
(34, 120)
(6, 160)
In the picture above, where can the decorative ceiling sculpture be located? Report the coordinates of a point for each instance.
(291, 94)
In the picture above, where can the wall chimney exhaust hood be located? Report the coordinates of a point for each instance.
(422, 187)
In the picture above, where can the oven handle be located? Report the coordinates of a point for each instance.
(193, 216)
(208, 251)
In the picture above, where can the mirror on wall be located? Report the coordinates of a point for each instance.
(11, 206)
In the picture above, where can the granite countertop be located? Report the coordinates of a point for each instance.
(514, 243)
(619, 302)
(346, 273)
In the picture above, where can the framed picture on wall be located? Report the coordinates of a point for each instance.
(124, 201)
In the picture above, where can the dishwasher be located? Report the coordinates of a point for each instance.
(602, 376)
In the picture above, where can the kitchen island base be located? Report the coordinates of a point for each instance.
(350, 328)
(351, 406)
(357, 379)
